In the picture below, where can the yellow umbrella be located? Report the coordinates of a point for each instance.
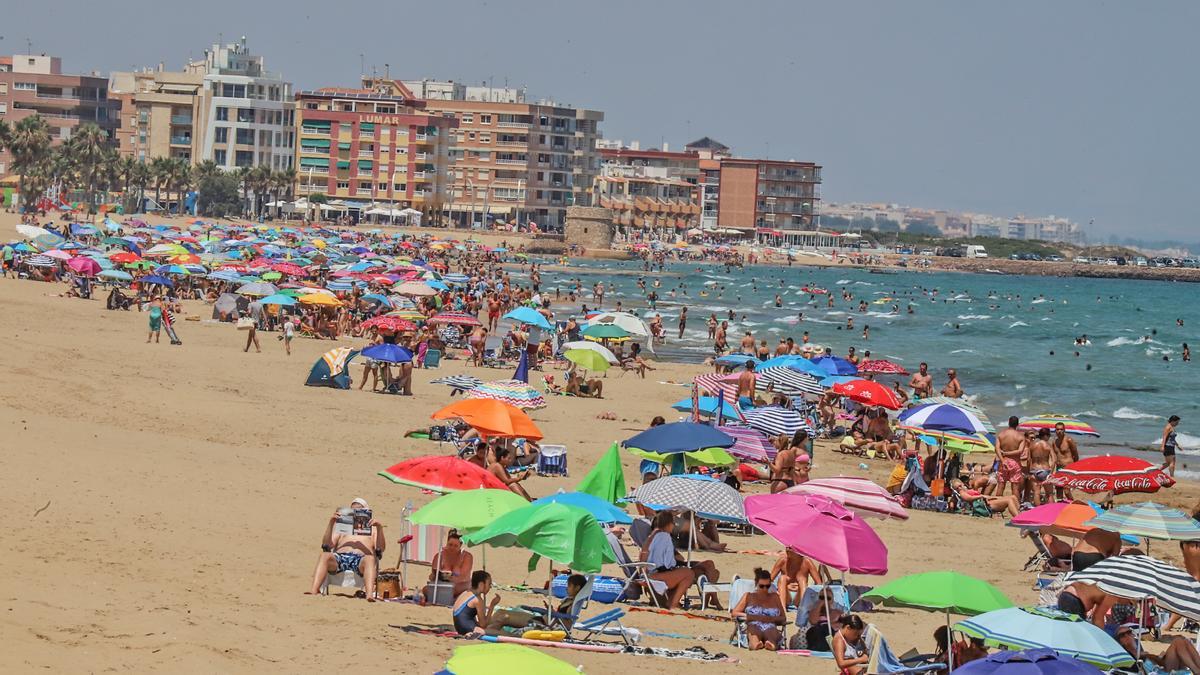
(319, 299)
(319, 243)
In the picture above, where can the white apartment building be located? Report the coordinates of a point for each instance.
(249, 111)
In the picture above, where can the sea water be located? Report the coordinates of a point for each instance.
(1011, 338)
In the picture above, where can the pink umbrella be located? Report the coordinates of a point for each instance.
(820, 528)
(57, 254)
(750, 444)
(84, 265)
(860, 495)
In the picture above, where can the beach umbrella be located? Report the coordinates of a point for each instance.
(1058, 518)
(178, 270)
(1070, 425)
(707, 405)
(821, 529)
(122, 257)
(278, 299)
(713, 385)
(794, 362)
(491, 418)
(738, 360)
(1028, 662)
(458, 382)
(675, 437)
(941, 591)
(935, 417)
(32, 231)
(627, 322)
(773, 420)
(468, 510)
(388, 353)
(116, 275)
(414, 288)
(381, 299)
(606, 479)
(591, 346)
(389, 323)
(1150, 520)
(1036, 627)
(860, 495)
(870, 393)
(316, 299)
(257, 288)
(1111, 473)
(84, 265)
(587, 359)
(605, 332)
(1135, 577)
(289, 269)
(503, 657)
(441, 473)
(455, 319)
(835, 365)
(563, 533)
(788, 382)
(530, 316)
(705, 457)
(513, 392)
(706, 498)
(604, 512)
(750, 444)
(881, 367)
(155, 279)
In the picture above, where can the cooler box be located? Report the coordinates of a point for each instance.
(604, 589)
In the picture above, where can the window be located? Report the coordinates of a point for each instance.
(25, 86)
(383, 187)
(245, 137)
(485, 138)
(244, 158)
(233, 91)
(221, 135)
(3, 87)
(468, 118)
(471, 135)
(485, 119)
(364, 185)
(403, 187)
(222, 114)
(3, 110)
(219, 157)
(245, 115)
(343, 185)
(484, 174)
(344, 128)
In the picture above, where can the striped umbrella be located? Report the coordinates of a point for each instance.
(41, 261)
(937, 417)
(706, 497)
(961, 403)
(788, 382)
(1148, 520)
(774, 421)
(1070, 424)
(1139, 576)
(882, 367)
(513, 392)
(392, 323)
(718, 384)
(1033, 627)
(857, 494)
(456, 319)
(459, 382)
(750, 444)
(1111, 473)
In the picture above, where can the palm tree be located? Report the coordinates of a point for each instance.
(160, 174)
(124, 172)
(242, 174)
(88, 149)
(5, 130)
(206, 169)
(140, 178)
(181, 179)
(260, 179)
(29, 144)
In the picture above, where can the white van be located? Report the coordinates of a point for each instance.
(975, 251)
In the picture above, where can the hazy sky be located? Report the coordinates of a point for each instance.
(1081, 109)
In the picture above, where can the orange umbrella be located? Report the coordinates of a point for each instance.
(1058, 518)
(491, 418)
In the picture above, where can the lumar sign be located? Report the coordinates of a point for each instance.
(393, 120)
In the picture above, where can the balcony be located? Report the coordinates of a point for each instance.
(514, 125)
(181, 140)
(514, 162)
(422, 138)
(181, 120)
(512, 144)
(422, 157)
(420, 175)
(67, 97)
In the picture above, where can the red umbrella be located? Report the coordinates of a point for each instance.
(1112, 473)
(882, 367)
(442, 473)
(289, 268)
(456, 318)
(869, 392)
(392, 323)
(124, 257)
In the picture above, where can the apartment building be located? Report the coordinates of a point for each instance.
(768, 197)
(226, 108)
(651, 191)
(374, 146)
(709, 153)
(35, 84)
(512, 160)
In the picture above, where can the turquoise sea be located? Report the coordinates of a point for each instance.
(1011, 338)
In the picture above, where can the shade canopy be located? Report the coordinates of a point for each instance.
(821, 529)
(941, 591)
(676, 437)
(441, 473)
(563, 533)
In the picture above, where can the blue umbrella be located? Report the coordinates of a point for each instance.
(389, 353)
(529, 315)
(794, 362)
(830, 380)
(708, 406)
(836, 365)
(381, 299)
(604, 512)
(156, 279)
(278, 299)
(1028, 662)
(676, 437)
(738, 360)
(116, 274)
(1035, 627)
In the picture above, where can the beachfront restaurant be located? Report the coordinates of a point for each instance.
(801, 238)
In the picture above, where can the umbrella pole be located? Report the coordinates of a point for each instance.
(691, 536)
(949, 644)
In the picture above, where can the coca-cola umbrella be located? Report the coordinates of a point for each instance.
(869, 392)
(1111, 473)
(392, 323)
(881, 367)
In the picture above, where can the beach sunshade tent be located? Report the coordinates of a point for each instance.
(563, 533)
(821, 529)
(870, 393)
(860, 495)
(1070, 425)
(513, 392)
(332, 369)
(503, 657)
(388, 353)
(1150, 520)
(1135, 577)
(706, 498)
(491, 418)
(776, 421)
(941, 591)
(530, 316)
(1038, 627)
(1028, 662)
(468, 510)
(441, 473)
(1111, 473)
(674, 437)
(604, 512)
(588, 359)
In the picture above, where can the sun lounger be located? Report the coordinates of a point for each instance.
(347, 579)
(1042, 560)
(637, 574)
(884, 661)
(604, 623)
(552, 460)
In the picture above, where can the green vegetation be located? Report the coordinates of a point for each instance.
(219, 196)
(996, 247)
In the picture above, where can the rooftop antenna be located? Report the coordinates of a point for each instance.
(362, 65)
(28, 46)
(387, 71)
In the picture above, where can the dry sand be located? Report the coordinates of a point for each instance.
(188, 488)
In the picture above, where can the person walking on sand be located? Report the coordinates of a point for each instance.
(252, 335)
(1170, 444)
(289, 332)
(156, 316)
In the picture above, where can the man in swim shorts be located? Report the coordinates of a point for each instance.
(1041, 465)
(349, 552)
(1010, 449)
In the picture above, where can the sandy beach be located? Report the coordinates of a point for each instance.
(174, 498)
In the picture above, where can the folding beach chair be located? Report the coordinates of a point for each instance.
(1042, 560)
(552, 460)
(738, 588)
(433, 358)
(347, 579)
(637, 574)
(419, 545)
(639, 531)
(883, 661)
(605, 623)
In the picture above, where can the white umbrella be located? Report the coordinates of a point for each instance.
(413, 288)
(31, 231)
(624, 320)
(592, 346)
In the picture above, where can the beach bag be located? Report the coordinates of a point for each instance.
(605, 589)
(245, 323)
(980, 508)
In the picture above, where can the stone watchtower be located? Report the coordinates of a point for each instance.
(589, 227)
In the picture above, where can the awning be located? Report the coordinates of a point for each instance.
(314, 143)
(314, 162)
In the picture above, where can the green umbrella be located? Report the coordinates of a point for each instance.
(603, 331)
(587, 359)
(469, 509)
(706, 457)
(566, 534)
(504, 657)
(606, 480)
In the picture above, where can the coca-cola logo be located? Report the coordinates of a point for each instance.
(1148, 483)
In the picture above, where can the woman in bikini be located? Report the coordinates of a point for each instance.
(763, 612)
(1169, 444)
